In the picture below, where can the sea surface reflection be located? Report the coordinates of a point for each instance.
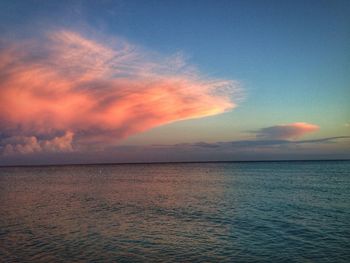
(200, 212)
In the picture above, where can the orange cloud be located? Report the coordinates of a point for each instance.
(98, 92)
(287, 131)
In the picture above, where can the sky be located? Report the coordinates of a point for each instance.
(162, 81)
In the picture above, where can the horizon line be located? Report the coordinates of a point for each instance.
(172, 162)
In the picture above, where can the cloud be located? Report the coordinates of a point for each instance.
(26, 145)
(267, 143)
(249, 144)
(286, 131)
(101, 93)
(240, 150)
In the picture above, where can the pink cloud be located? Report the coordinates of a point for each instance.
(101, 93)
(26, 144)
(287, 131)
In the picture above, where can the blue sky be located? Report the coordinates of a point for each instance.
(290, 58)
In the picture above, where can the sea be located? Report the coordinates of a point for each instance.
(295, 211)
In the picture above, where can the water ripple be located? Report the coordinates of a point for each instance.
(224, 212)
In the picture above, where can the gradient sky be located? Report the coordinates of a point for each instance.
(140, 81)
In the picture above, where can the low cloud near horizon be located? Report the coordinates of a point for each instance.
(58, 149)
(239, 150)
(286, 131)
(67, 92)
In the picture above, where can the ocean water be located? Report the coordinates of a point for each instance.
(199, 212)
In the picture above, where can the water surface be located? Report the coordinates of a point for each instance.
(200, 212)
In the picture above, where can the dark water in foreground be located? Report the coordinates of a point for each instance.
(214, 212)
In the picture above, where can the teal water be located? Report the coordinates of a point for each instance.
(200, 212)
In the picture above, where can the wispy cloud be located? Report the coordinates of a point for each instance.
(266, 143)
(249, 144)
(99, 92)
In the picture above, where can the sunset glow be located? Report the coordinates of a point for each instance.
(124, 81)
(97, 93)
